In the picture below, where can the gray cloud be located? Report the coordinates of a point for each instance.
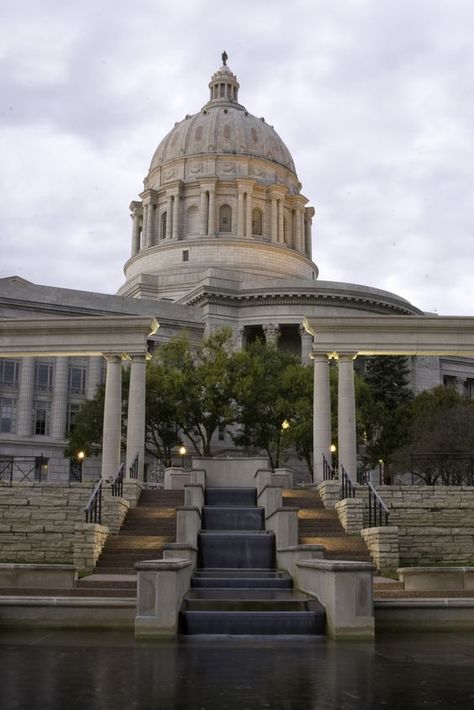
(375, 103)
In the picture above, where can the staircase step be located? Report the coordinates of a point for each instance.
(231, 497)
(233, 518)
(252, 622)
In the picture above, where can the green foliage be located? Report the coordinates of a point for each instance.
(264, 394)
(197, 387)
(387, 412)
(87, 434)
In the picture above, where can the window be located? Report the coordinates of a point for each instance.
(225, 219)
(163, 225)
(41, 418)
(7, 415)
(72, 410)
(185, 255)
(9, 373)
(257, 222)
(44, 376)
(221, 434)
(77, 379)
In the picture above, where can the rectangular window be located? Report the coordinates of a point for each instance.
(77, 379)
(186, 255)
(221, 434)
(9, 373)
(41, 418)
(44, 376)
(72, 410)
(7, 415)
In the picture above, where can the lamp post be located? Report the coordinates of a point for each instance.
(182, 453)
(333, 449)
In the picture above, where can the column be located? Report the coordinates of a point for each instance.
(321, 416)
(169, 216)
(112, 416)
(274, 232)
(25, 397)
(175, 232)
(145, 225)
(347, 446)
(272, 333)
(211, 226)
(239, 338)
(240, 213)
(297, 228)
(308, 218)
(248, 216)
(302, 231)
(136, 414)
(59, 404)
(281, 237)
(94, 376)
(203, 213)
(306, 345)
(135, 233)
(150, 214)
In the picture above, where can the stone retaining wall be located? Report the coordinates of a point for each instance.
(383, 545)
(430, 506)
(39, 521)
(426, 545)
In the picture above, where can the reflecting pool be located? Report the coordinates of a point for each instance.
(60, 670)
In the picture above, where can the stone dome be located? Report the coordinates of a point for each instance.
(223, 126)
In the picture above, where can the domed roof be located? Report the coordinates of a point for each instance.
(223, 126)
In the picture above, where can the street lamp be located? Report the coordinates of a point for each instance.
(285, 424)
(182, 453)
(80, 455)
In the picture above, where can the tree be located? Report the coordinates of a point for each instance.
(86, 435)
(441, 438)
(200, 386)
(386, 415)
(262, 394)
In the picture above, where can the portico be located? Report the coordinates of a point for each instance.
(344, 339)
(118, 339)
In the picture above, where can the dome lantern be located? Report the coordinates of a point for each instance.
(224, 86)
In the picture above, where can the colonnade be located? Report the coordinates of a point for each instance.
(287, 213)
(113, 415)
(346, 444)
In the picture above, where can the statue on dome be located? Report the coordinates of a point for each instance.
(225, 57)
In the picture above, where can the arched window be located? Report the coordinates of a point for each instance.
(257, 222)
(192, 221)
(225, 219)
(163, 225)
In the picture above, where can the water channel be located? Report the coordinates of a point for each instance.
(61, 670)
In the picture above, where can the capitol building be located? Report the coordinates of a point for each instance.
(222, 235)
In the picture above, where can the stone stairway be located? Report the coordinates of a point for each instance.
(236, 588)
(147, 528)
(318, 525)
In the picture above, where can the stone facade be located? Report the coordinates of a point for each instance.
(383, 545)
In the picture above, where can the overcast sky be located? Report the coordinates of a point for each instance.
(374, 98)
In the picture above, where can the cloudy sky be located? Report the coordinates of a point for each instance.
(374, 98)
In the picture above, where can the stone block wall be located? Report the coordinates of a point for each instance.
(38, 520)
(88, 542)
(383, 545)
(330, 492)
(427, 545)
(351, 514)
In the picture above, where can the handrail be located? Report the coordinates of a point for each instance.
(329, 472)
(377, 508)
(348, 486)
(116, 483)
(93, 509)
(134, 468)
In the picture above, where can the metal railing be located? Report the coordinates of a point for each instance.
(116, 484)
(378, 511)
(348, 486)
(329, 472)
(134, 469)
(93, 509)
(28, 468)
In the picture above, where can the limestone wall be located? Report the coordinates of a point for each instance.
(429, 545)
(43, 522)
(383, 545)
